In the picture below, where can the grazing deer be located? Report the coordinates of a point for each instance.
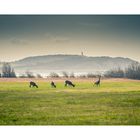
(97, 83)
(69, 83)
(33, 84)
(53, 84)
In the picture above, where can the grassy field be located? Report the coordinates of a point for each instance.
(113, 103)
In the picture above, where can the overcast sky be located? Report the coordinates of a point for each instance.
(23, 36)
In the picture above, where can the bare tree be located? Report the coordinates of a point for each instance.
(8, 71)
(39, 76)
(116, 73)
(72, 75)
(133, 71)
(29, 74)
(65, 74)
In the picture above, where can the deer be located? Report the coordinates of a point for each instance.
(33, 84)
(53, 84)
(97, 83)
(69, 83)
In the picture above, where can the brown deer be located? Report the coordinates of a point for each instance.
(97, 83)
(69, 83)
(53, 84)
(33, 84)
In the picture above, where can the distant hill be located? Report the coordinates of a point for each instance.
(70, 63)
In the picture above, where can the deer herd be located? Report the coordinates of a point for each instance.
(67, 83)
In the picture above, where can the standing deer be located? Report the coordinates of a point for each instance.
(33, 84)
(53, 84)
(97, 83)
(69, 83)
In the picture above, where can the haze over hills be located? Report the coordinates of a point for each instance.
(70, 63)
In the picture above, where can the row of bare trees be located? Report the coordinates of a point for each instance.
(8, 72)
(131, 72)
(72, 75)
(64, 74)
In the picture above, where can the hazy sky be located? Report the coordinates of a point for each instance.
(22, 36)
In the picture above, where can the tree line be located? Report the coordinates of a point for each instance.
(131, 72)
(7, 71)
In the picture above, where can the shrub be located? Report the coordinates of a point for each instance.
(54, 75)
(65, 74)
(29, 74)
(91, 75)
(72, 75)
(39, 76)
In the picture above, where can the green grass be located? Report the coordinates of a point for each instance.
(114, 103)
